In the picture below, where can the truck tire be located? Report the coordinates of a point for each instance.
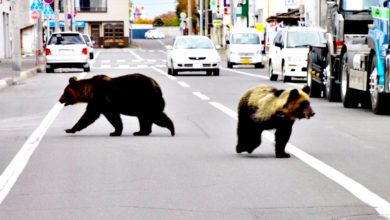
(315, 88)
(272, 76)
(379, 101)
(332, 91)
(349, 97)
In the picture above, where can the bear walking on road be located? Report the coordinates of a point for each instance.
(134, 94)
(265, 107)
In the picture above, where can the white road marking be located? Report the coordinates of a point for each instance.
(11, 174)
(201, 96)
(163, 73)
(106, 61)
(136, 55)
(183, 84)
(151, 60)
(121, 61)
(358, 190)
(136, 61)
(104, 67)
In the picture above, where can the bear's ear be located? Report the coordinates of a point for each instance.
(72, 80)
(294, 94)
(306, 89)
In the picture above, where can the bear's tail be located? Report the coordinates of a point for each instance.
(164, 121)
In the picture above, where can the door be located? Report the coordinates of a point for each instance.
(95, 34)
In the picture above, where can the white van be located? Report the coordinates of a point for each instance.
(245, 46)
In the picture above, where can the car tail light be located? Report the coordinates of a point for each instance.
(84, 51)
(47, 52)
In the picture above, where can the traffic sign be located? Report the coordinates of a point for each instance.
(35, 15)
(48, 11)
(37, 5)
(48, 1)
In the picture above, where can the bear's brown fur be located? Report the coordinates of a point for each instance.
(134, 94)
(265, 107)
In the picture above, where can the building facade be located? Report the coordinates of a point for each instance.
(106, 21)
(5, 45)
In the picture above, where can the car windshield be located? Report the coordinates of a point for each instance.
(356, 5)
(193, 43)
(65, 39)
(305, 38)
(243, 38)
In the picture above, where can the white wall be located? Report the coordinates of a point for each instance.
(5, 44)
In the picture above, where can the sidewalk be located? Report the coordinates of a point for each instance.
(9, 77)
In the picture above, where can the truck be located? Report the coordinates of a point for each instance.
(353, 66)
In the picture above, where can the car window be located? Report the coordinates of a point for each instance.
(86, 38)
(66, 39)
(193, 43)
(278, 38)
(305, 38)
(245, 38)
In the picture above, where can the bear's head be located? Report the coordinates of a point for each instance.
(76, 91)
(295, 104)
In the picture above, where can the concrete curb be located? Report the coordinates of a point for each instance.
(8, 81)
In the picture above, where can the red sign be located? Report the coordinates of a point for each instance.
(35, 15)
(48, 1)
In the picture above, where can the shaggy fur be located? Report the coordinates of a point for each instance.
(263, 108)
(134, 95)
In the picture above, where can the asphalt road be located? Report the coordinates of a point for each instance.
(339, 168)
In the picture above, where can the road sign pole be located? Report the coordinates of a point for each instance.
(56, 15)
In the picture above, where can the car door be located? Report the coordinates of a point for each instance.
(278, 45)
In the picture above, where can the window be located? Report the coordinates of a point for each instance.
(113, 31)
(91, 5)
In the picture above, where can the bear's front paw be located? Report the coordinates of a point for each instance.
(70, 131)
(141, 133)
(282, 155)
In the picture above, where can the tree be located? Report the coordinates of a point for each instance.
(182, 6)
(158, 22)
(169, 19)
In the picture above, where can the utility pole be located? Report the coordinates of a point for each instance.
(15, 35)
(232, 12)
(206, 15)
(201, 16)
(56, 15)
(66, 10)
(189, 17)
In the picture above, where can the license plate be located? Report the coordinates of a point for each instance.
(66, 52)
(245, 61)
(198, 65)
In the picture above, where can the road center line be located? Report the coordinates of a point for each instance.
(201, 96)
(163, 73)
(11, 174)
(183, 84)
(358, 190)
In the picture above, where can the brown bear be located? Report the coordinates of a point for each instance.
(134, 94)
(265, 107)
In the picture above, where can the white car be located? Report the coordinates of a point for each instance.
(193, 53)
(289, 51)
(90, 44)
(154, 34)
(66, 50)
(245, 47)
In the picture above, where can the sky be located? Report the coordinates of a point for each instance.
(155, 8)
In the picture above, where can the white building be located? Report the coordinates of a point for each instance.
(5, 44)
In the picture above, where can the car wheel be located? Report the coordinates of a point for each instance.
(259, 65)
(49, 70)
(272, 76)
(209, 72)
(216, 72)
(229, 64)
(285, 78)
(169, 71)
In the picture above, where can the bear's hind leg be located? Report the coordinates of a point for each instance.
(145, 125)
(282, 135)
(249, 136)
(116, 122)
(164, 121)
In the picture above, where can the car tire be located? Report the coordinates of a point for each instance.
(285, 78)
(169, 71)
(216, 72)
(259, 65)
(49, 70)
(209, 72)
(272, 76)
(229, 64)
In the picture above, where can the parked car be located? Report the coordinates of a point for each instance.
(90, 44)
(289, 51)
(193, 53)
(245, 47)
(66, 50)
(154, 34)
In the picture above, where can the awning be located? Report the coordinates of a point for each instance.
(77, 24)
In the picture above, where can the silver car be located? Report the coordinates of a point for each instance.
(66, 50)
